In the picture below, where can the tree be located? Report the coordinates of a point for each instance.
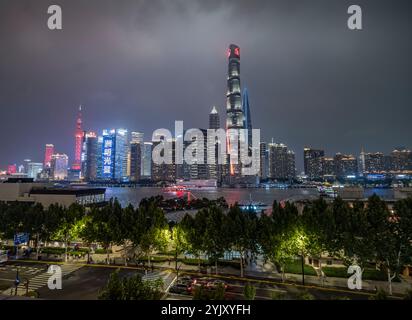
(150, 230)
(249, 292)
(394, 249)
(120, 222)
(278, 235)
(69, 223)
(131, 288)
(178, 242)
(215, 236)
(242, 226)
(38, 225)
(195, 229)
(99, 227)
(318, 228)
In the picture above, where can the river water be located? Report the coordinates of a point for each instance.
(267, 196)
(134, 195)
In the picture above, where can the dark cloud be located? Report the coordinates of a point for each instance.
(143, 64)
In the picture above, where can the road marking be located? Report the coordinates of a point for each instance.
(272, 282)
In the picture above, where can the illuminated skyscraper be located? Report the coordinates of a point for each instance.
(312, 160)
(147, 160)
(59, 164)
(99, 157)
(264, 161)
(234, 110)
(34, 170)
(213, 145)
(247, 123)
(91, 157)
(214, 119)
(114, 155)
(11, 169)
(401, 160)
(281, 162)
(135, 161)
(48, 155)
(26, 165)
(79, 139)
(137, 137)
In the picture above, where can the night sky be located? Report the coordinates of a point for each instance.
(141, 65)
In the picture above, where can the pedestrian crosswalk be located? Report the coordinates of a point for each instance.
(165, 275)
(39, 279)
(23, 270)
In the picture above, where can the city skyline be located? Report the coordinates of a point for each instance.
(287, 104)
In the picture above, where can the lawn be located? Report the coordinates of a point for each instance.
(368, 274)
(296, 268)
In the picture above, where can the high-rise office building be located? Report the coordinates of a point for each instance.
(247, 123)
(135, 161)
(374, 163)
(312, 162)
(165, 171)
(345, 165)
(48, 155)
(100, 158)
(213, 146)
(34, 170)
(26, 165)
(327, 167)
(281, 162)
(79, 140)
(264, 161)
(198, 169)
(234, 109)
(137, 137)
(146, 172)
(59, 166)
(400, 160)
(12, 169)
(91, 156)
(115, 154)
(214, 119)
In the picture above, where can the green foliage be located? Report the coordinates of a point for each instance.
(204, 293)
(379, 295)
(304, 295)
(131, 288)
(244, 226)
(295, 267)
(278, 295)
(368, 274)
(102, 251)
(249, 292)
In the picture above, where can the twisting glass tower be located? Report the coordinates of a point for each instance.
(247, 123)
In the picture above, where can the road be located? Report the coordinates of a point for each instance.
(269, 290)
(84, 283)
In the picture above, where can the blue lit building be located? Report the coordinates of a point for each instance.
(114, 155)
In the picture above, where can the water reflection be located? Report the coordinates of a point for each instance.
(267, 196)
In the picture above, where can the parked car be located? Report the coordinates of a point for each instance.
(179, 289)
(215, 283)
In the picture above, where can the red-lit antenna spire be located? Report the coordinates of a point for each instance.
(79, 135)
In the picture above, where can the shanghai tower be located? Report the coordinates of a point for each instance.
(234, 110)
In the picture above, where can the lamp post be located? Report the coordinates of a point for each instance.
(17, 281)
(303, 269)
